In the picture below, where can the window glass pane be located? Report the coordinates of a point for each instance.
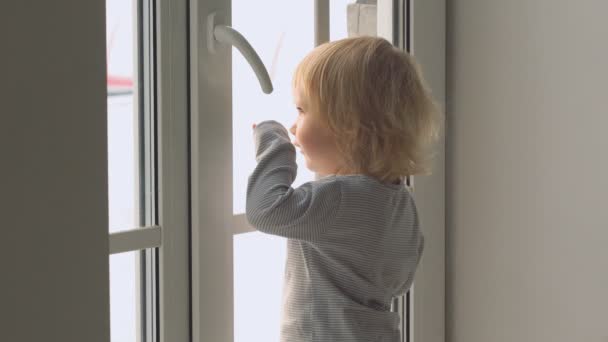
(259, 264)
(337, 19)
(123, 115)
(281, 39)
(133, 299)
(124, 297)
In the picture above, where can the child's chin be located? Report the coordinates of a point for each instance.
(309, 165)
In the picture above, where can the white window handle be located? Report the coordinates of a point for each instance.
(228, 35)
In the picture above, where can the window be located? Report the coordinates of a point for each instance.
(185, 265)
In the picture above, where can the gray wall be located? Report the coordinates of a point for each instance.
(53, 174)
(527, 171)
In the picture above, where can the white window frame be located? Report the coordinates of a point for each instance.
(169, 67)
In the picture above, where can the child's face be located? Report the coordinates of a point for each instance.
(314, 140)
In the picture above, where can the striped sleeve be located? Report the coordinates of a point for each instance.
(273, 206)
(408, 283)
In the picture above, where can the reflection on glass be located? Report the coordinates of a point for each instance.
(124, 301)
(281, 40)
(259, 264)
(122, 115)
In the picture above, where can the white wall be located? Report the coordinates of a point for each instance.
(527, 171)
(53, 174)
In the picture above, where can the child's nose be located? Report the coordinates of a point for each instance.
(293, 129)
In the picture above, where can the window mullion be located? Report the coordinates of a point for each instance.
(135, 239)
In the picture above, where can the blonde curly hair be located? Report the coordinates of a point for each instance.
(373, 99)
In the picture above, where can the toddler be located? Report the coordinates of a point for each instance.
(365, 122)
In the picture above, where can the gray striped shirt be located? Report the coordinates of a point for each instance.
(353, 243)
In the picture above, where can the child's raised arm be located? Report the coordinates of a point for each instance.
(273, 206)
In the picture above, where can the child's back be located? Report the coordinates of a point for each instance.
(353, 244)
